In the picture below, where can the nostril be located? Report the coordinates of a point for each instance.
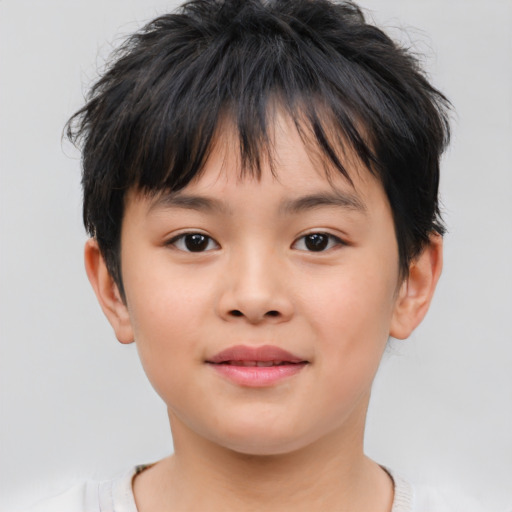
(272, 314)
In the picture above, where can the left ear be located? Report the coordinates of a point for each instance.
(417, 290)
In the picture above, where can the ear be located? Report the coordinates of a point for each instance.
(417, 290)
(107, 292)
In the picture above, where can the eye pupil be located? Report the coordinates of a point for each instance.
(316, 241)
(196, 242)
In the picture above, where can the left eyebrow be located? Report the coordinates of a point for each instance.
(335, 198)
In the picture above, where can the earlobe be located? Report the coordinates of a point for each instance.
(417, 290)
(107, 292)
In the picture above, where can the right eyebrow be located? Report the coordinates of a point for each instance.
(188, 202)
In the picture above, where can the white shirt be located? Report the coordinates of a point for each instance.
(116, 495)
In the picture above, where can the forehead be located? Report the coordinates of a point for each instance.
(292, 158)
(293, 169)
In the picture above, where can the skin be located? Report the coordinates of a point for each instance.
(258, 283)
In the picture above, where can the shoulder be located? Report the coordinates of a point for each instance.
(428, 499)
(73, 499)
(422, 498)
(104, 496)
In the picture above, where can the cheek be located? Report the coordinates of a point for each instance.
(352, 303)
(167, 314)
(162, 300)
(351, 322)
(351, 313)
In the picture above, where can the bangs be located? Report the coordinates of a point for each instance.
(156, 119)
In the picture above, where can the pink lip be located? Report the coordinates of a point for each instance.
(243, 365)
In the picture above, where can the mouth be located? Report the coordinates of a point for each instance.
(261, 366)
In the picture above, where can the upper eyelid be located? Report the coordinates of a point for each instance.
(322, 232)
(173, 239)
(338, 239)
(180, 234)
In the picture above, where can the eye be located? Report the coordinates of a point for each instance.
(194, 242)
(317, 242)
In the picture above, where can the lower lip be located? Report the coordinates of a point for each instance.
(258, 376)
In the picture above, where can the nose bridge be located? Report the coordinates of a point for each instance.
(255, 285)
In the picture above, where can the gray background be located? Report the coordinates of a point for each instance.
(75, 404)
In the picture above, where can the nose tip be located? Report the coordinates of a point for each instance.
(256, 317)
(255, 286)
(255, 298)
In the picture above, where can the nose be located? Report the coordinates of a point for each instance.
(255, 289)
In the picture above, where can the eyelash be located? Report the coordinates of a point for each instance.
(332, 241)
(180, 242)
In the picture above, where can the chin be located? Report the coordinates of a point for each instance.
(264, 450)
(263, 441)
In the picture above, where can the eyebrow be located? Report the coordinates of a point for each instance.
(335, 198)
(188, 202)
(301, 204)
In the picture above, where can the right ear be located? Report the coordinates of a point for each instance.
(107, 292)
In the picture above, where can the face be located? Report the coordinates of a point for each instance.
(261, 307)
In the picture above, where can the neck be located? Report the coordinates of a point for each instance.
(330, 474)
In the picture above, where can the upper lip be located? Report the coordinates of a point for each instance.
(262, 353)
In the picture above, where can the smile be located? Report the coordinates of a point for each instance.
(261, 366)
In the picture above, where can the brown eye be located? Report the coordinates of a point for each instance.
(194, 242)
(317, 242)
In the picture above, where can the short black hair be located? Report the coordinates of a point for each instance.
(150, 120)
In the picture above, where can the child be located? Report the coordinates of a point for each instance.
(260, 186)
